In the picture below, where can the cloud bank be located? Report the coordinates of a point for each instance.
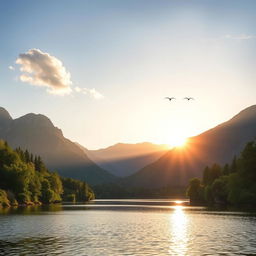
(91, 92)
(42, 69)
(240, 37)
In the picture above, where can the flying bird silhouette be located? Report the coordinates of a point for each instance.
(188, 98)
(170, 98)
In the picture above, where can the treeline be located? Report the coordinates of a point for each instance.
(25, 180)
(232, 184)
(76, 191)
(117, 191)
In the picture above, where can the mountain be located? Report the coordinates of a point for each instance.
(37, 134)
(217, 145)
(5, 118)
(125, 159)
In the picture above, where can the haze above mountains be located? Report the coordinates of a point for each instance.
(149, 165)
(125, 159)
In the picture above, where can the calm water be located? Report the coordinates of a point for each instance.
(126, 227)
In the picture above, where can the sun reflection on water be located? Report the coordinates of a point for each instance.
(178, 231)
(178, 202)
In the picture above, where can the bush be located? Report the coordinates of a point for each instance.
(23, 198)
(11, 198)
(4, 202)
(70, 198)
(247, 197)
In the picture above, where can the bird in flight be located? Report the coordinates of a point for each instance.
(188, 98)
(170, 98)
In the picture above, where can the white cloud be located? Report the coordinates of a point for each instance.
(78, 89)
(240, 37)
(91, 92)
(41, 69)
(11, 68)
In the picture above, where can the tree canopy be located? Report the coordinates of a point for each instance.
(231, 184)
(24, 179)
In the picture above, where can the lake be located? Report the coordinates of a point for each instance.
(126, 227)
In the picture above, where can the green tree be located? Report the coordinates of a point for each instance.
(232, 184)
(220, 190)
(27, 180)
(56, 186)
(233, 166)
(3, 199)
(206, 175)
(248, 161)
(195, 191)
(47, 195)
(226, 169)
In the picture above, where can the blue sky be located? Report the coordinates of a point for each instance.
(134, 53)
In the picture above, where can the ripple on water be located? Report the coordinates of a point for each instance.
(127, 230)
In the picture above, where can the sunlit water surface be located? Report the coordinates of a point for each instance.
(126, 227)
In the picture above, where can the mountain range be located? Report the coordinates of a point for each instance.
(124, 159)
(37, 134)
(217, 145)
(142, 165)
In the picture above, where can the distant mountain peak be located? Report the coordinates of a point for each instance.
(4, 115)
(36, 120)
(246, 113)
(37, 133)
(123, 159)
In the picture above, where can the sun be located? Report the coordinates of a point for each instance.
(177, 142)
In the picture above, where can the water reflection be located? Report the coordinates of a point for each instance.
(178, 230)
(31, 246)
(140, 227)
(30, 210)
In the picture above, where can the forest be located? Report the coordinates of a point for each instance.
(232, 184)
(25, 180)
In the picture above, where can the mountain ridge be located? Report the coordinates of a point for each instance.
(216, 145)
(37, 133)
(124, 159)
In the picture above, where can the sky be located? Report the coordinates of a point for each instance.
(101, 69)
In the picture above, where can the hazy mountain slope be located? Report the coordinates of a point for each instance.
(125, 159)
(37, 134)
(219, 144)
